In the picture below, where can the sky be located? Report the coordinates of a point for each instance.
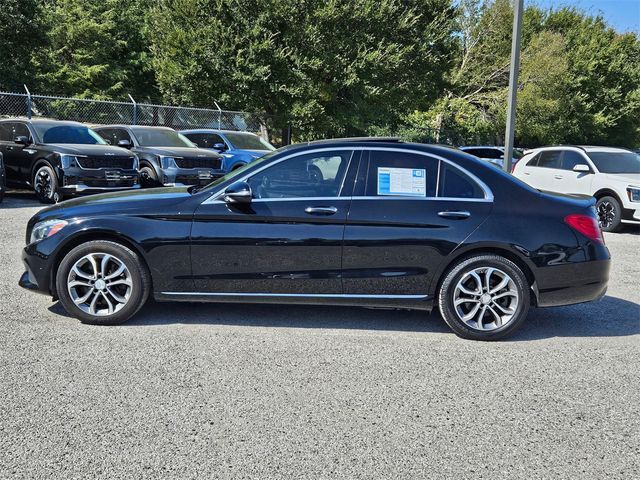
(622, 15)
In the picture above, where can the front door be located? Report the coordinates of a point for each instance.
(288, 240)
(408, 212)
(568, 181)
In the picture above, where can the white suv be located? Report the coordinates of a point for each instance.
(611, 175)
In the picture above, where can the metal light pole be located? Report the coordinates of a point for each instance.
(513, 85)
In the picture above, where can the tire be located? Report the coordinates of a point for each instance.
(148, 177)
(113, 305)
(45, 184)
(609, 214)
(511, 302)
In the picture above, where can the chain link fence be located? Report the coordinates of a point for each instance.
(103, 112)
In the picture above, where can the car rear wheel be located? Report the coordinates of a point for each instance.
(609, 214)
(45, 184)
(102, 283)
(148, 177)
(484, 297)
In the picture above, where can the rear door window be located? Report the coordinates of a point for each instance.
(402, 174)
(454, 183)
(205, 140)
(550, 159)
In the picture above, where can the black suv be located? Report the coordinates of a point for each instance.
(56, 158)
(166, 157)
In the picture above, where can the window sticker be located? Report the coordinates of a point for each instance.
(402, 181)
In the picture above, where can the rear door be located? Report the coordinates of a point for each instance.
(17, 158)
(408, 212)
(541, 172)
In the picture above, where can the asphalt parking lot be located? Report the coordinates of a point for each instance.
(231, 391)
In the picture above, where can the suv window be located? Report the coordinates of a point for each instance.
(456, 184)
(120, 134)
(491, 153)
(10, 130)
(550, 159)
(205, 140)
(401, 174)
(311, 175)
(570, 159)
(107, 135)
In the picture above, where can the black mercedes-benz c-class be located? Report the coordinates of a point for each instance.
(368, 222)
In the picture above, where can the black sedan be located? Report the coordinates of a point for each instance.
(368, 222)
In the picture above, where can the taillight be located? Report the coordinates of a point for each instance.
(586, 225)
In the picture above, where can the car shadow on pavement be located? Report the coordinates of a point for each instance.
(20, 199)
(610, 317)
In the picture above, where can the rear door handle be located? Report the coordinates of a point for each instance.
(321, 210)
(558, 177)
(455, 214)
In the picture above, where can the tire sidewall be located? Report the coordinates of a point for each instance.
(445, 296)
(55, 196)
(151, 180)
(139, 277)
(617, 220)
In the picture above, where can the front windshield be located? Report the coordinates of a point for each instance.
(248, 141)
(615, 162)
(160, 137)
(74, 134)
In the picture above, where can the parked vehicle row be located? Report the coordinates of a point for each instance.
(369, 222)
(58, 158)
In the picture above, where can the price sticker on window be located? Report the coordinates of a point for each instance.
(402, 181)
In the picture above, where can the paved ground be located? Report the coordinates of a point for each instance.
(219, 391)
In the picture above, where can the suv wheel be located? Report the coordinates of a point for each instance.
(102, 283)
(45, 184)
(609, 214)
(148, 177)
(484, 297)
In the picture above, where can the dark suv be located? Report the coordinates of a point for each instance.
(166, 157)
(57, 158)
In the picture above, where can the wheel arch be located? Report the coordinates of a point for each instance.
(505, 252)
(40, 162)
(92, 235)
(607, 192)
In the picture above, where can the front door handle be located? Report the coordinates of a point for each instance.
(320, 210)
(455, 214)
(558, 177)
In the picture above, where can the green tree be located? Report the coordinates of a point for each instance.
(20, 34)
(330, 67)
(95, 48)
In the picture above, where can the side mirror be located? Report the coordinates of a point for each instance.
(22, 140)
(221, 147)
(124, 143)
(238, 193)
(582, 168)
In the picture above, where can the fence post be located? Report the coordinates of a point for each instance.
(219, 115)
(28, 102)
(134, 118)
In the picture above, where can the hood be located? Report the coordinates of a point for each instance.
(92, 150)
(148, 201)
(629, 178)
(178, 152)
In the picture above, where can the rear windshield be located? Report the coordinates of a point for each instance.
(616, 162)
(76, 134)
(155, 137)
(247, 141)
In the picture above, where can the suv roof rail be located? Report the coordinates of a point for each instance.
(358, 139)
(566, 145)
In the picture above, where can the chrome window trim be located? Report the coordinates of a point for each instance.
(295, 295)
(488, 194)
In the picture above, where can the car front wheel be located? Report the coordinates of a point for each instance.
(609, 214)
(102, 283)
(45, 184)
(484, 297)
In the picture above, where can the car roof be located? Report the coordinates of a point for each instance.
(215, 130)
(481, 146)
(41, 121)
(584, 148)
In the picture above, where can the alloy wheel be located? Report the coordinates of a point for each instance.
(43, 183)
(99, 284)
(606, 213)
(485, 298)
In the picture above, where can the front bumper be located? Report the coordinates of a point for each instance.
(177, 177)
(80, 180)
(38, 275)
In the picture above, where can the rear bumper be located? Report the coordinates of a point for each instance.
(572, 283)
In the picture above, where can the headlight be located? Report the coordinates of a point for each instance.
(45, 229)
(168, 162)
(69, 161)
(634, 194)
